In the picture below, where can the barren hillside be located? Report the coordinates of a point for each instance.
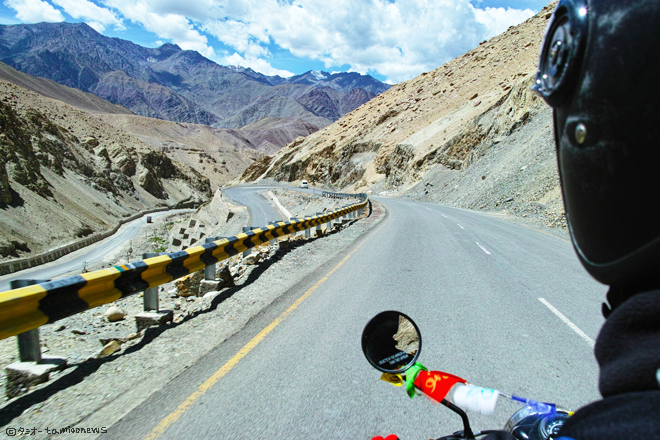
(470, 134)
(50, 89)
(218, 154)
(65, 173)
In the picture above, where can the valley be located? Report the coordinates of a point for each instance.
(258, 336)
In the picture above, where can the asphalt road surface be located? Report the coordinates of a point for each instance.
(261, 211)
(90, 254)
(501, 305)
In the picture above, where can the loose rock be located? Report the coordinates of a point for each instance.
(110, 348)
(114, 314)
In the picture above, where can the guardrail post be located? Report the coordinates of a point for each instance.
(29, 349)
(150, 302)
(209, 271)
(247, 251)
(210, 283)
(152, 316)
(32, 368)
(318, 227)
(273, 242)
(297, 232)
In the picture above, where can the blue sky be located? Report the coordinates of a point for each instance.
(392, 40)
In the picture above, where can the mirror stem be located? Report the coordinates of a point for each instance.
(467, 432)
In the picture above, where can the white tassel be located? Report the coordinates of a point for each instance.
(477, 399)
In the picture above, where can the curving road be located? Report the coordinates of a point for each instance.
(261, 211)
(90, 254)
(499, 304)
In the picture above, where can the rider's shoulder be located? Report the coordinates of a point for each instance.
(626, 415)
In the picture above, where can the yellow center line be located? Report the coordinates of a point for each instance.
(203, 388)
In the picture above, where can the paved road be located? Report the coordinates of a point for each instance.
(90, 254)
(261, 211)
(471, 281)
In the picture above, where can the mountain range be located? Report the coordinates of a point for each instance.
(178, 85)
(469, 134)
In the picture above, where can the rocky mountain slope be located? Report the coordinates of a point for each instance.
(50, 89)
(219, 154)
(65, 173)
(178, 85)
(469, 134)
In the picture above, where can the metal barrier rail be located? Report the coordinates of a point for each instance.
(31, 307)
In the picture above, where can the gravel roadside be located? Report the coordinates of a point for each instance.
(95, 391)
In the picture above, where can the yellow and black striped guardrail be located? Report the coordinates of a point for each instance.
(30, 307)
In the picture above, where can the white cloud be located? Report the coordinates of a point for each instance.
(398, 40)
(34, 11)
(171, 26)
(497, 20)
(256, 64)
(96, 16)
(243, 37)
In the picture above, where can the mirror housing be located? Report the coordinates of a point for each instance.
(391, 342)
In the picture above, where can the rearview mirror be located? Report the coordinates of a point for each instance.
(391, 342)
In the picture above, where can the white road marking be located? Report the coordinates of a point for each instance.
(440, 213)
(460, 226)
(561, 316)
(483, 248)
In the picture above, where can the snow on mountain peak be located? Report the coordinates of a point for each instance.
(319, 75)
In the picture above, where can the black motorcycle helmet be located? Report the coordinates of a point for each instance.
(599, 70)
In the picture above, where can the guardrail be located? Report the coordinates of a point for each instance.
(27, 308)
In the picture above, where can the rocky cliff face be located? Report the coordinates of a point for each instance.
(429, 137)
(65, 174)
(174, 84)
